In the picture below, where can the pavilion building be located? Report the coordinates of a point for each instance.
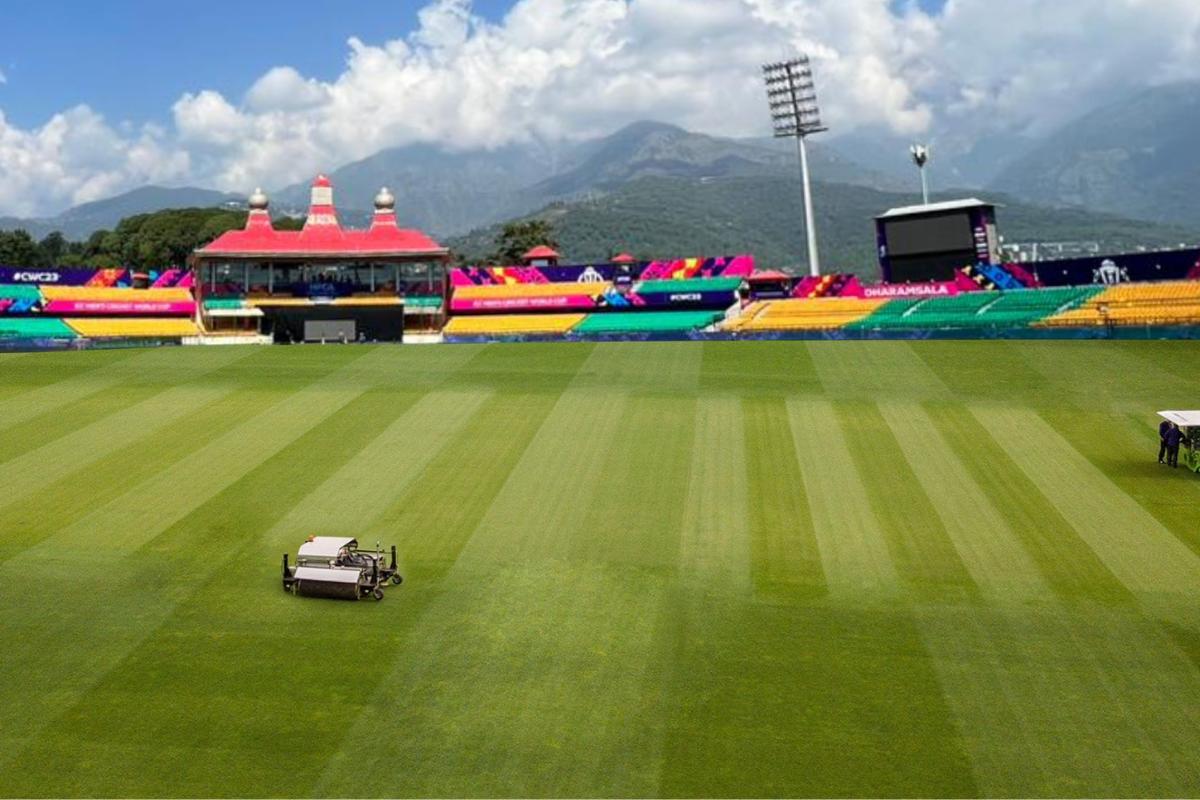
(323, 282)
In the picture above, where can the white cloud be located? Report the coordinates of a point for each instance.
(3, 78)
(76, 157)
(569, 68)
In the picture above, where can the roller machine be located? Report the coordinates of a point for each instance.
(334, 567)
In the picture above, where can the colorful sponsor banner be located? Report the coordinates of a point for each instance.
(118, 308)
(681, 269)
(581, 302)
(894, 291)
(1168, 265)
(69, 276)
(698, 300)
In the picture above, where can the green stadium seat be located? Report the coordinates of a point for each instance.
(652, 322)
(35, 328)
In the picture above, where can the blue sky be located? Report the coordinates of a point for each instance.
(102, 96)
(131, 59)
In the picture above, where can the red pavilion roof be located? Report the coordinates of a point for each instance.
(541, 251)
(322, 236)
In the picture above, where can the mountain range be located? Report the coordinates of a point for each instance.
(1132, 159)
(451, 193)
(1137, 157)
(79, 222)
(655, 217)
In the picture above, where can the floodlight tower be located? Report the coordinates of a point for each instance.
(792, 95)
(920, 156)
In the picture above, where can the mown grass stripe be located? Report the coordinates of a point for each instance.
(1057, 704)
(108, 433)
(921, 548)
(875, 370)
(627, 519)
(130, 521)
(822, 699)
(432, 519)
(667, 367)
(758, 368)
(53, 504)
(209, 540)
(493, 693)
(138, 367)
(1135, 546)
(853, 548)
(989, 548)
(1072, 368)
(715, 536)
(1126, 453)
(785, 557)
(45, 429)
(547, 495)
(1066, 561)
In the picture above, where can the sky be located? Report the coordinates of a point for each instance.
(99, 98)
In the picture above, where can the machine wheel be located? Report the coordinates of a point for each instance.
(396, 579)
(378, 593)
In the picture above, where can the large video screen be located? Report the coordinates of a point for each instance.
(944, 234)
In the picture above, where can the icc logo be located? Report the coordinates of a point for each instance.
(590, 275)
(1110, 274)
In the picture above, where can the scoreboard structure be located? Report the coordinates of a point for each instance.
(926, 243)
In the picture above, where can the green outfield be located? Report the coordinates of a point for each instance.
(694, 569)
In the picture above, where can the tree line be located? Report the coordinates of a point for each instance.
(144, 241)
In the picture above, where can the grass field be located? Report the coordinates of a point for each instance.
(710, 569)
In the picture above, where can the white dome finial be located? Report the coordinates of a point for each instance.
(385, 200)
(259, 200)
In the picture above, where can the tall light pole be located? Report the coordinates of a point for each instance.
(792, 95)
(920, 155)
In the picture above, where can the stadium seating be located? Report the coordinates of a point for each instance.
(513, 325)
(34, 328)
(887, 316)
(959, 311)
(1136, 305)
(792, 315)
(19, 298)
(223, 303)
(19, 291)
(151, 328)
(646, 322)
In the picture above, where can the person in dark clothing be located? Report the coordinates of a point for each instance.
(1163, 428)
(1174, 439)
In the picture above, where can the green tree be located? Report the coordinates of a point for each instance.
(517, 238)
(18, 249)
(53, 248)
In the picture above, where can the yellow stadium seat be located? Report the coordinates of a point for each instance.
(1136, 305)
(514, 324)
(153, 328)
(797, 315)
